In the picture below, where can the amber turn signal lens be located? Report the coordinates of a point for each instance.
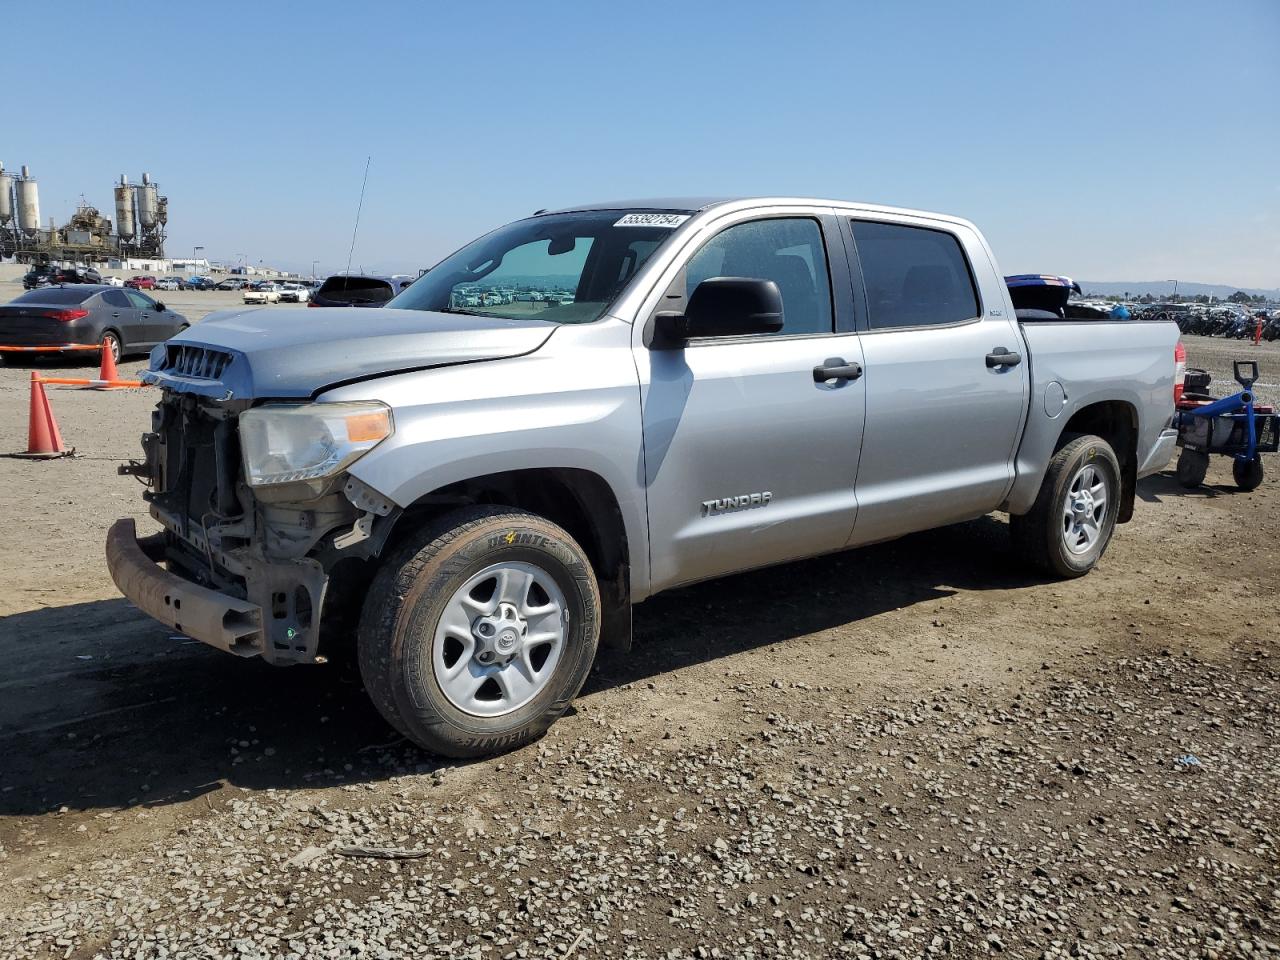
(362, 427)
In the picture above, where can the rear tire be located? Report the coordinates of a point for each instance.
(1068, 528)
(461, 679)
(1247, 473)
(1192, 467)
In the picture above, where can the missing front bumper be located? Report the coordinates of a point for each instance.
(230, 624)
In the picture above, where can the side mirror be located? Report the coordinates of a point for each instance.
(160, 307)
(722, 307)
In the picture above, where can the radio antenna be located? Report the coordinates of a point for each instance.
(359, 207)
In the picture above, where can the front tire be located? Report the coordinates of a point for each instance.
(1068, 528)
(112, 341)
(477, 634)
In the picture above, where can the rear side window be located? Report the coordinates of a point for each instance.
(914, 276)
(116, 298)
(58, 295)
(357, 290)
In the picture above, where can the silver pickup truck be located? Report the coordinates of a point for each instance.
(474, 484)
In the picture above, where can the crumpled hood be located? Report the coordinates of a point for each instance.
(294, 353)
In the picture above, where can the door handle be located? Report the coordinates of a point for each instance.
(1000, 357)
(115, 316)
(836, 369)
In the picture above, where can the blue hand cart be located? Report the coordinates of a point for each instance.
(1234, 426)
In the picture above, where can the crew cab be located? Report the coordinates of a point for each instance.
(475, 490)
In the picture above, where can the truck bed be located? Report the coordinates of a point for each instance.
(1080, 364)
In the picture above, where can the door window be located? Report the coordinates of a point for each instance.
(913, 276)
(140, 300)
(789, 252)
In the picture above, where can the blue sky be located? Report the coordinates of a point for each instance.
(1106, 140)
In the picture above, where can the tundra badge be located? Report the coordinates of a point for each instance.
(744, 502)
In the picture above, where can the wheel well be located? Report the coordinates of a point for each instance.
(578, 500)
(1116, 422)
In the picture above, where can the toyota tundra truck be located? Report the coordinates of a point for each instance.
(471, 487)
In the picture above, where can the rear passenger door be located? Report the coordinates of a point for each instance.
(942, 422)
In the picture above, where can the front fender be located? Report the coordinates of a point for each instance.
(575, 404)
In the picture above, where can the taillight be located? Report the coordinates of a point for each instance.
(66, 316)
(1179, 371)
(311, 303)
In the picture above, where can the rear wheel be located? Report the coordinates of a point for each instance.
(1192, 467)
(477, 634)
(1247, 473)
(1069, 526)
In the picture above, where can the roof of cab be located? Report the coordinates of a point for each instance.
(698, 204)
(681, 204)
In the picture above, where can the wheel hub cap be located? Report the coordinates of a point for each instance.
(499, 639)
(498, 635)
(1085, 510)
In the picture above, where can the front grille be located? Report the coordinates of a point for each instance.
(198, 363)
(196, 461)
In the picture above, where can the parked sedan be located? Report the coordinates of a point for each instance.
(113, 281)
(127, 320)
(232, 283)
(141, 283)
(262, 293)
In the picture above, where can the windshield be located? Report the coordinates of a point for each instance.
(566, 268)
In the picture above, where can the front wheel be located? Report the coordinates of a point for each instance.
(477, 634)
(1247, 473)
(111, 342)
(1071, 522)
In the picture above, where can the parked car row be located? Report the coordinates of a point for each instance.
(45, 275)
(268, 291)
(48, 276)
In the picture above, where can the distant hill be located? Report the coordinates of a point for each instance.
(1162, 288)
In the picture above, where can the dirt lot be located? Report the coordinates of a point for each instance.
(917, 749)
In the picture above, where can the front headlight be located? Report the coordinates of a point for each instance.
(288, 442)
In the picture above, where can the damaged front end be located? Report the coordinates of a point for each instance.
(257, 510)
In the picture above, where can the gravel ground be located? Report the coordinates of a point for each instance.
(917, 749)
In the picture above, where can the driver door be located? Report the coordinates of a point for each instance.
(122, 314)
(149, 326)
(748, 459)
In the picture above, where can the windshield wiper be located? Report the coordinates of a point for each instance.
(465, 313)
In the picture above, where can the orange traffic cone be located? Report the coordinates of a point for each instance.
(108, 369)
(44, 441)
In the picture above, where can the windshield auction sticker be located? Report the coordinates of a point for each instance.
(668, 220)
